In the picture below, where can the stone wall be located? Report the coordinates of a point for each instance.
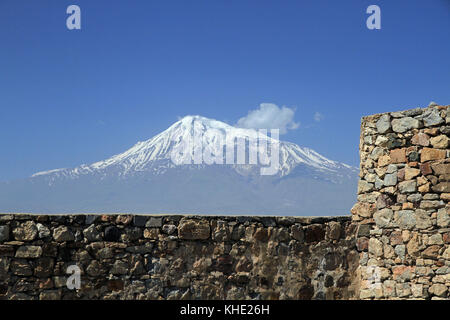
(178, 257)
(394, 246)
(403, 205)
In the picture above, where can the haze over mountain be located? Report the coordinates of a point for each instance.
(153, 177)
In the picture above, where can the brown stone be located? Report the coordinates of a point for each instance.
(124, 219)
(6, 250)
(421, 139)
(106, 218)
(27, 231)
(396, 238)
(403, 272)
(193, 229)
(244, 265)
(445, 196)
(407, 205)
(428, 154)
(439, 142)
(44, 267)
(401, 175)
(425, 168)
(45, 283)
(151, 233)
(411, 173)
(314, 233)
(362, 244)
(431, 131)
(398, 155)
(297, 232)
(431, 252)
(384, 160)
(446, 237)
(261, 234)
(364, 209)
(433, 179)
(440, 168)
(115, 285)
(424, 188)
(441, 187)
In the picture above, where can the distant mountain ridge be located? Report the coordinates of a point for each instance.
(133, 181)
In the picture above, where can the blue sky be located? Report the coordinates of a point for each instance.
(72, 97)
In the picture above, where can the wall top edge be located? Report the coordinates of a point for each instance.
(255, 218)
(404, 113)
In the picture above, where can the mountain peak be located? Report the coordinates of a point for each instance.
(156, 154)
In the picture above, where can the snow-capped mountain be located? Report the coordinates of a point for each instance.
(176, 170)
(169, 149)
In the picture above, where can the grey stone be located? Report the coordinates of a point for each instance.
(119, 267)
(50, 295)
(268, 221)
(390, 179)
(431, 204)
(376, 153)
(21, 267)
(383, 217)
(63, 234)
(169, 228)
(27, 231)
(383, 124)
(415, 197)
(414, 156)
(400, 250)
(381, 141)
(154, 222)
(112, 234)
(378, 183)
(92, 234)
(4, 233)
(443, 218)
(43, 231)
(404, 124)
(408, 186)
(364, 186)
(90, 219)
(139, 221)
(375, 247)
(29, 252)
(423, 219)
(403, 289)
(432, 118)
(405, 219)
(430, 196)
(413, 112)
(392, 168)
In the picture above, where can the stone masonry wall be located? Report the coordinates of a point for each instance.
(178, 257)
(396, 244)
(403, 205)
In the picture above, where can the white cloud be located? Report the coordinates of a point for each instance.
(270, 116)
(318, 117)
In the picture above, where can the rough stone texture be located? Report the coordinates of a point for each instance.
(181, 257)
(406, 238)
(396, 245)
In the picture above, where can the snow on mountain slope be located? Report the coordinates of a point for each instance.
(169, 148)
